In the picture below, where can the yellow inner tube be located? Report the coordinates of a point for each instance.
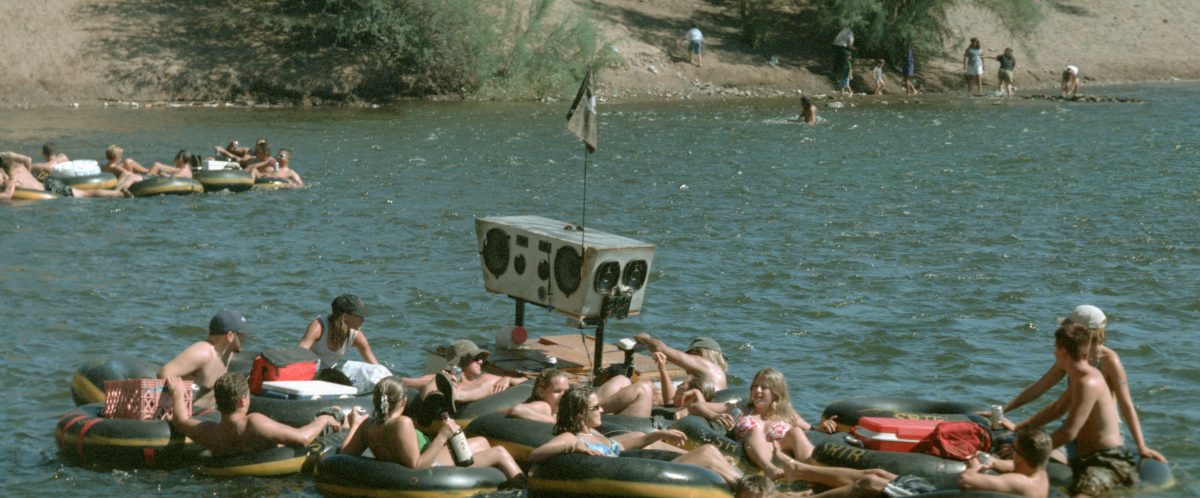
(166, 185)
(26, 194)
(106, 181)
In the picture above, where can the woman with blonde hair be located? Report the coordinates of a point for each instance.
(542, 405)
(330, 336)
(392, 437)
(766, 421)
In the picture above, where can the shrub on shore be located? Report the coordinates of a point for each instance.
(515, 49)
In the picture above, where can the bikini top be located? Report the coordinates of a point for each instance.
(611, 449)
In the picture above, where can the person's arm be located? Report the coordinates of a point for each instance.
(1120, 385)
(1037, 389)
(364, 348)
(294, 177)
(664, 378)
(638, 440)
(356, 439)
(181, 419)
(561, 444)
(10, 186)
(312, 334)
(690, 364)
(286, 434)
(1047, 414)
(410, 454)
(533, 411)
(973, 479)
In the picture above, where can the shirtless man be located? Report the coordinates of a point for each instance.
(282, 170)
(17, 173)
(118, 164)
(703, 357)
(262, 163)
(1092, 419)
(205, 361)
(182, 167)
(51, 156)
(240, 432)
(1024, 475)
(474, 385)
(1070, 82)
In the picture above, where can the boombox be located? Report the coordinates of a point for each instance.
(555, 264)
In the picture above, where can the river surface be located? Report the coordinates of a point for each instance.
(917, 248)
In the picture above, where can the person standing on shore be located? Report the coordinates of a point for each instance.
(843, 48)
(1004, 79)
(877, 75)
(973, 66)
(910, 72)
(694, 39)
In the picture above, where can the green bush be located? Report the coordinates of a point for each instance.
(518, 49)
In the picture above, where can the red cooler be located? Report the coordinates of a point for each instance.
(892, 434)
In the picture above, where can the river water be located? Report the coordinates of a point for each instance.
(917, 248)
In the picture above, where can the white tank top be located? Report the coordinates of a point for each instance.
(329, 358)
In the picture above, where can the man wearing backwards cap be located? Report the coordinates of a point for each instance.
(703, 357)
(205, 361)
(475, 384)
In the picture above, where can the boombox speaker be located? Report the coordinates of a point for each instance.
(551, 263)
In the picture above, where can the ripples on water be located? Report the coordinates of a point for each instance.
(902, 248)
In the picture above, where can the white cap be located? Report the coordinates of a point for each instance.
(1088, 316)
(1073, 70)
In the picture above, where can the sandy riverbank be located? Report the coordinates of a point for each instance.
(90, 52)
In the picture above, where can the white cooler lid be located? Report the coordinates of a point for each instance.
(309, 387)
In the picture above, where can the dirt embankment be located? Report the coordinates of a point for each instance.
(91, 51)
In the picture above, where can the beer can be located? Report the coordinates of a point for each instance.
(997, 416)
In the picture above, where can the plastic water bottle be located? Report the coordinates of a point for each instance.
(459, 449)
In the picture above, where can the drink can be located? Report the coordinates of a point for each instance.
(552, 361)
(997, 416)
(457, 373)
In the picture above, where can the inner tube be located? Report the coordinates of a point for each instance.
(90, 182)
(352, 475)
(87, 385)
(84, 436)
(28, 194)
(517, 435)
(940, 472)
(233, 180)
(161, 185)
(700, 432)
(270, 182)
(849, 410)
(629, 475)
(425, 415)
(298, 412)
(284, 460)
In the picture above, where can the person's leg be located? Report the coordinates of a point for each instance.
(759, 451)
(494, 456)
(796, 443)
(619, 396)
(96, 193)
(709, 457)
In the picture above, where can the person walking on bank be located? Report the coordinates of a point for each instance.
(1004, 79)
(694, 39)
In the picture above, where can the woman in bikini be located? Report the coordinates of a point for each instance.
(329, 337)
(579, 414)
(768, 426)
(392, 437)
